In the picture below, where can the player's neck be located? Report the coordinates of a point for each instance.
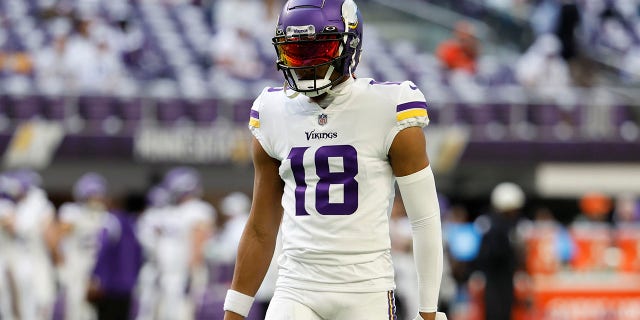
(326, 98)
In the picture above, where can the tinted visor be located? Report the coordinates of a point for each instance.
(302, 53)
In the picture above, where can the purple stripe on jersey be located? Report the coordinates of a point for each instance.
(274, 89)
(391, 305)
(411, 105)
(254, 114)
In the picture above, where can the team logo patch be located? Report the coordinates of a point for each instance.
(322, 119)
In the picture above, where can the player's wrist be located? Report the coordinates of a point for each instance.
(238, 302)
(431, 316)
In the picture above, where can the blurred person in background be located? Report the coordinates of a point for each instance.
(97, 64)
(592, 232)
(148, 232)
(32, 233)
(257, 13)
(498, 257)
(117, 264)
(595, 207)
(626, 219)
(336, 184)
(567, 27)
(462, 50)
(400, 234)
(564, 246)
(237, 46)
(79, 226)
(187, 225)
(234, 209)
(16, 63)
(462, 243)
(224, 247)
(542, 67)
(7, 222)
(52, 68)
(236, 53)
(627, 209)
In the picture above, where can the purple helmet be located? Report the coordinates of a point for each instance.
(317, 43)
(88, 186)
(10, 187)
(28, 178)
(15, 184)
(158, 196)
(182, 181)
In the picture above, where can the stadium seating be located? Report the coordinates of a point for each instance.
(171, 69)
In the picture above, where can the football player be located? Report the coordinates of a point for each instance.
(80, 224)
(328, 148)
(185, 228)
(148, 232)
(31, 229)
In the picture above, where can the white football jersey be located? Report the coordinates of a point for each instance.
(339, 185)
(174, 245)
(82, 242)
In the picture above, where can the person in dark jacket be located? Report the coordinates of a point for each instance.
(118, 263)
(497, 258)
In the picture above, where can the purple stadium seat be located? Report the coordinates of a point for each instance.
(621, 114)
(543, 115)
(95, 110)
(502, 113)
(95, 107)
(55, 107)
(4, 104)
(171, 110)
(478, 116)
(434, 114)
(241, 110)
(25, 107)
(129, 109)
(131, 113)
(204, 111)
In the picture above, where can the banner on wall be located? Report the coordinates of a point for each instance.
(33, 144)
(222, 143)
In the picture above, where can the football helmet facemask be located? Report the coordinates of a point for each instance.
(318, 42)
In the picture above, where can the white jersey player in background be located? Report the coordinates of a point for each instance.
(186, 226)
(31, 232)
(80, 223)
(7, 218)
(328, 149)
(149, 231)
(223, 247)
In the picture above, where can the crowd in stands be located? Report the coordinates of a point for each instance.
(196, 48)
(186, 55)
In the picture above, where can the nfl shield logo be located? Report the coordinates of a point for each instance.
(322, 119)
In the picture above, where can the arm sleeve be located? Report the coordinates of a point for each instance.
(421, 203)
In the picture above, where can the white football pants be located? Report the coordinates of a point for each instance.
(298, 304)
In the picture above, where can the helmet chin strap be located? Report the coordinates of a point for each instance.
(293, 94)
(312, 84)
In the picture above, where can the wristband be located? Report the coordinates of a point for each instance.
(238, 302)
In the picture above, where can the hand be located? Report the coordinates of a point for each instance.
(228, 315)
(431, 316)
